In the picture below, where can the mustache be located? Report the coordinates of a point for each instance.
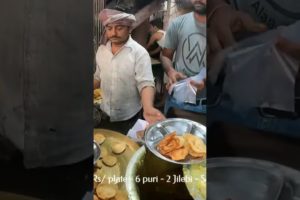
(114, 37)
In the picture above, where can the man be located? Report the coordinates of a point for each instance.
(186, 36)
(124, 74)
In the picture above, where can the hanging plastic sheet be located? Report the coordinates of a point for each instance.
(258, 74)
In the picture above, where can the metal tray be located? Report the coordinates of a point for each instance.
(114, 175)
(157, 132)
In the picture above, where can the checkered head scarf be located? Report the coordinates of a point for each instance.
(109, 16)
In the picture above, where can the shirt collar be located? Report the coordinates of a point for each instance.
(128, 44)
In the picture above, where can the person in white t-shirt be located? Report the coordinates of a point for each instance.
(157, 37)
(124, 74)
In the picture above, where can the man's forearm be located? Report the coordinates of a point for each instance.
(155, 51)
(147, 96)
(167, 63)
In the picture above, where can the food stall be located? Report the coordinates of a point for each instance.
(166, 160)
(168, 163)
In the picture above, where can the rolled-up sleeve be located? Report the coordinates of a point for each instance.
(98, 58)
(97, 73)
(143, 71)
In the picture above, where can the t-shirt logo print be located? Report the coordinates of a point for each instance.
(193, 53)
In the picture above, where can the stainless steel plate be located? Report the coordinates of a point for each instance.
(157, 132)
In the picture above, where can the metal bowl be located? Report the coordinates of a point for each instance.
(135, 163)
(141, 170)
(155, 133)
(245, 178)
(97, 152)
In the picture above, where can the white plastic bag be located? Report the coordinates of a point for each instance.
(183, 91)
(260, 75)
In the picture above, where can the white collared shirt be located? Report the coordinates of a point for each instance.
(123, 76)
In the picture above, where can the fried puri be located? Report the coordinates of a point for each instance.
(105, 191)
(179, 147)
(179, 154)
(196, 146)
(109, 160)
(118, 147)
(99, 138)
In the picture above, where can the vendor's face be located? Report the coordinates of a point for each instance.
(117, 34)
(199, 6)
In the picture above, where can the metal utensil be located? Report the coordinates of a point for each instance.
(155, 133)
(97, 152)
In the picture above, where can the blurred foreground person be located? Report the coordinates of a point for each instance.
(46, 124)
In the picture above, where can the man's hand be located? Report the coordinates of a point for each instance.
(166, 59)
(225, 22)
(152, 115)
(199, 85)
(175, 76)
